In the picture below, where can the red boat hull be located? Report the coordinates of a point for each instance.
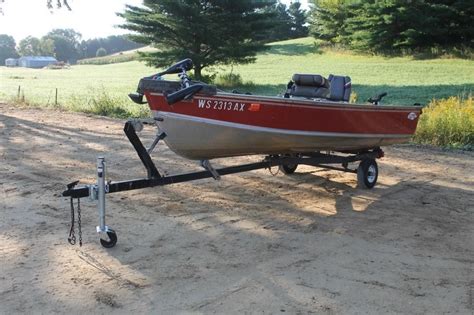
(232, 124)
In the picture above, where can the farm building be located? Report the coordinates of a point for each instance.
(36, 61)
(11, 62)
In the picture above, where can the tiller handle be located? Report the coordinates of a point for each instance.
(184, 93)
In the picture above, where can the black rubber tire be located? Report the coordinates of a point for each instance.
(367, 173)
(288, 169)
(112, 239)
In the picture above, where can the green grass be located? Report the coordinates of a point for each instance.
(406, 80)
(80, 88)
(85, 87)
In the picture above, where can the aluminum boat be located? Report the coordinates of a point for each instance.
(200, 122)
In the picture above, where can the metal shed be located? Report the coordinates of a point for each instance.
(11, 62)
(36, 61)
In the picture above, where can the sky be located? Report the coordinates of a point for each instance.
(91, 18)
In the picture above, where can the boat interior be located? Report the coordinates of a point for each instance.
(334, 88)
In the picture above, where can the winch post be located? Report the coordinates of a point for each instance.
(101, 194)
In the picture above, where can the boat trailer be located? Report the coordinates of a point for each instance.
(367, 174)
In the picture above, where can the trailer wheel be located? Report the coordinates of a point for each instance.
(288, 168)
(367, 173)
(112, 239)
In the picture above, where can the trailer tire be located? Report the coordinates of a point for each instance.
(112, 239)
(367, 173)
(288, 169)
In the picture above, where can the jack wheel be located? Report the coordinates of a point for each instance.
(288, 168)
(112, 239)
(367, 173)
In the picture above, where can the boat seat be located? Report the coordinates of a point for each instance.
(340, 88)
(310, 86)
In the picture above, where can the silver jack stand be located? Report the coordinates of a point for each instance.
(98, 193)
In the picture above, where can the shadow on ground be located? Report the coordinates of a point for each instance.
(292, 49)
(298, 243)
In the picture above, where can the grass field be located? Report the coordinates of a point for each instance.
(406, 80)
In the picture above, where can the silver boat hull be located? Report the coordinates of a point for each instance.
(200, 138)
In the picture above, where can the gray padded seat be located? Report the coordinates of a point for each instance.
(310, 86)
(340, 88)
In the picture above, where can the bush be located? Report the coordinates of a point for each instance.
(229, 80)
(104, 105)
(448, 123)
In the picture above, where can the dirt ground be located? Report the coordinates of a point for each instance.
(249, 243)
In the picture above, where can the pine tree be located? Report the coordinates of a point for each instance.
(328, 20)
(298, 20)
(210, 32)
(417, 25)
(281, 23)
(393, 26)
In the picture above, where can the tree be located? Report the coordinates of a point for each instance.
(281, 28)
(101, 52)
(29, 46)
(46, 46)
(210, 32)
(112, 44)
(328, 20)
(394, 26)
(66, 44)
(7, 48)
(298, 20)
(59, 4)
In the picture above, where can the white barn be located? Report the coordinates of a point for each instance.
(11, 62)
(36, 61)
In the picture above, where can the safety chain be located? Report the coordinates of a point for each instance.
(269, 167)
(72, 236)
(274, 173)
(79, 220)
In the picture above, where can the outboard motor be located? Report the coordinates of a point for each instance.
(179, 67)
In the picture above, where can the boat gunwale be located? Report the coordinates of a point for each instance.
(281, 101)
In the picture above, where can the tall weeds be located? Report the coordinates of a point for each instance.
(448, 123)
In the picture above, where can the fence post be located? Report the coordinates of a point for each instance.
(56, 98)
(19, 90)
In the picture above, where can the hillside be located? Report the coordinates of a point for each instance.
(406, 80)
(123, 56)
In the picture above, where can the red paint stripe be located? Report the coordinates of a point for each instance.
(294, 116)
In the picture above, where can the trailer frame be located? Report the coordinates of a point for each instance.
(366, 173)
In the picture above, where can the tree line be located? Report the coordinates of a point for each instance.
(215, 32)
(394, 26)
(65, 45)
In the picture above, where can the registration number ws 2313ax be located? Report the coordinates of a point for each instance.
(221, 105)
